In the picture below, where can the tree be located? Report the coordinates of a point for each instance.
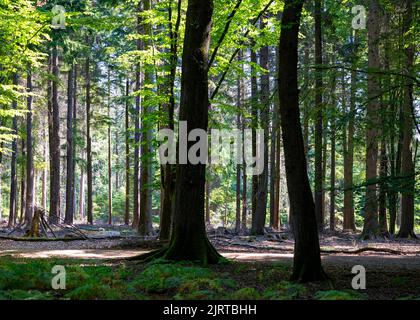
(307, 260)
(13, 164)
(89, 141)
(371, 227)
(69, 215)
(54, 141)
(262, 189)
(29, 153)
(407, 165)
(319, 204)
(189, 240)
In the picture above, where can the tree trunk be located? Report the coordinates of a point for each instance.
(29, 154)
(136, 182)
(371, 227)
(145, 220)
(89, 172)
(109, 152)
(13, 163)
(127, 153)
(319, 205)
(407, 165)
(262, 191)
(69, 215)
(348, 214)
(22, 183)
(238, 166)
(189, 240)
(307, 261)
(333, 146)
(254, 125)
(55, 143)
(168, 170)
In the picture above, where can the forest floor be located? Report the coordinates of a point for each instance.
(259, 267)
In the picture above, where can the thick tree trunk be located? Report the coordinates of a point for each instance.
(13, 164)
(189, 240)
(371, 226)
(54, 213)
(407, 165)
(29, 154)
(319, 205)
(45, 171)
(307, 260)
(69, 215)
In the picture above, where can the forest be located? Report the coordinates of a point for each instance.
(209, 150)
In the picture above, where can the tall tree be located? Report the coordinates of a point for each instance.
(54, 141)
(189, 240)
(69, 215)
(307, 260)
(127, 153)
(13, 164)
(371, 227)
(89, 172)
(262, 190)
(319, 205)
(407, 165)
(145, 219)
(29, 153)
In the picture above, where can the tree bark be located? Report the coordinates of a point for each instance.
(69, 215)
(254, 125)
(262, 191)
(189, 240)
(109, 151)
(371, 227)
(127, 153)
(319, 205)
(13, 164)
(307, 261)
(54, 213)
(29, 154)
(89, 172)
(145, 219)
(407, 165)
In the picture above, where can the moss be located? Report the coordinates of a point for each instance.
(339, 295)
(246, 294)
(284, 291)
